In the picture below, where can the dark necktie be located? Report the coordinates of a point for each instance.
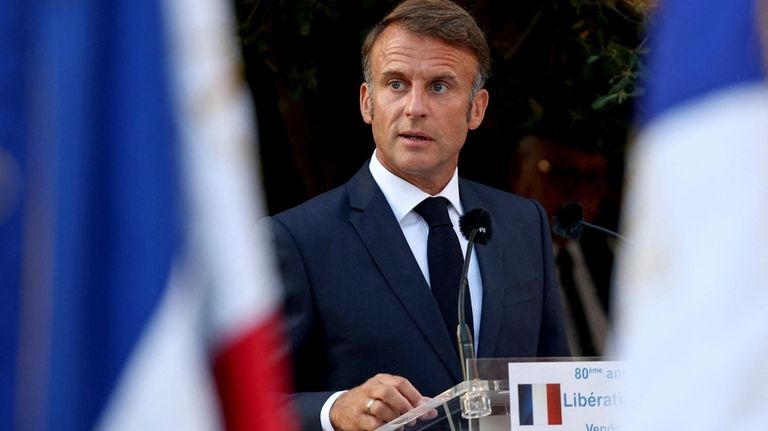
(445, 262)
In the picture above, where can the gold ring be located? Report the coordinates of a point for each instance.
(369, 404)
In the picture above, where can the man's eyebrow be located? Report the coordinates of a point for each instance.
(391, 73)
(448, 77)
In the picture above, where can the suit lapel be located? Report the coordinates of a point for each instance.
(489, 258)
(384, 239)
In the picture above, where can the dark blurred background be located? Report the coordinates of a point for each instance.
(565, 74)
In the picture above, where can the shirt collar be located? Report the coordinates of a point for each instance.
(404, 196)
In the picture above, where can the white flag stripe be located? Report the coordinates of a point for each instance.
(216, 126)
(693, 285)
(540, 404)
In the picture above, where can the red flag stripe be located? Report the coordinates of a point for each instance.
(554, 412)
(250, 376)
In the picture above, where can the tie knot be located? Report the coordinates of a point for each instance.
(434, 211)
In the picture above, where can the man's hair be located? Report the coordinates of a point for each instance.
(441, 19)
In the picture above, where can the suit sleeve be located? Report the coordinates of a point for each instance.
(304, 333)
(553, 341)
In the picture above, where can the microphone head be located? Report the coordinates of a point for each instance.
(567, 220)
(478, 220)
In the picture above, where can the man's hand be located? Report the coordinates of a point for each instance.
(379, 400)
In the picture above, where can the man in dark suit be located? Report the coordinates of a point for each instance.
(368, 335)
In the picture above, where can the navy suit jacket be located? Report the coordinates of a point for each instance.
(357, 303)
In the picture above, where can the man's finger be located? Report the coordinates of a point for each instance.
(382, 410)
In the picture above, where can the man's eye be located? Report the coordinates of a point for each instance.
(396, 85)
(439, 87)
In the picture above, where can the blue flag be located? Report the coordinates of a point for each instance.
(699, 47)
(12, 170)
(87, 249)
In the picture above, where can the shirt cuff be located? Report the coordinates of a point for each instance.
(325, 412)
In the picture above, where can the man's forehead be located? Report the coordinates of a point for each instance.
(398, 49)
(396, 33)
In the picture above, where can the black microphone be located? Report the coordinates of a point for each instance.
(569, 223)
(475, 225)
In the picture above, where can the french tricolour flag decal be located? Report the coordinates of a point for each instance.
(539, 404)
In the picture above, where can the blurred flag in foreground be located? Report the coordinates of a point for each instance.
(137, 291)
(693, 288)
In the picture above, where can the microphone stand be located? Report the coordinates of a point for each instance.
(475, 403)
(463, 334)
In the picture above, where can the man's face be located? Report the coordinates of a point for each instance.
(418, 105)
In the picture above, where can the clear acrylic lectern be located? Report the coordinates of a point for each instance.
(480, 403)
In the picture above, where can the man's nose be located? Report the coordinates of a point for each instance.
(416, 106)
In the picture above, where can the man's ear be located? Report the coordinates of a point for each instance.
(477, 111)
(366, 109)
